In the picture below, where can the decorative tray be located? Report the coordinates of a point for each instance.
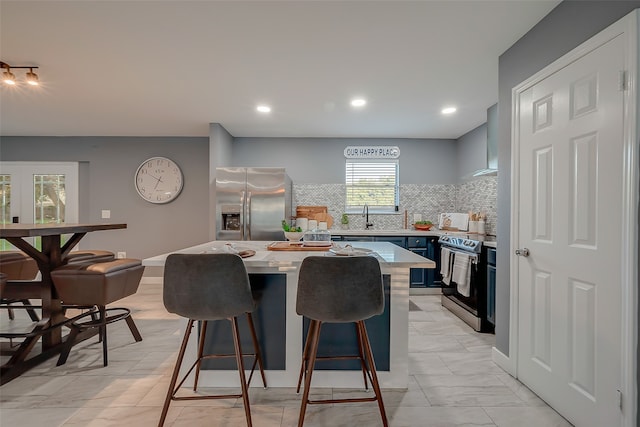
(295, 246)
(323, 243)
(351, 251)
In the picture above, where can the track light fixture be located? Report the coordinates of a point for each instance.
(9, 78)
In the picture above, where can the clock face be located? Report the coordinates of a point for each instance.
(158, 180)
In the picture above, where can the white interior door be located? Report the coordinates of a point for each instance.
(570, 220)
(38, 192)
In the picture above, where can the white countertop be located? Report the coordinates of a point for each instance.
(402, 232)
(489, 241)
(390, 255)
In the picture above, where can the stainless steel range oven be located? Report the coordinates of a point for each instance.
(464, 284)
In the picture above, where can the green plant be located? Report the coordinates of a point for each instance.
(344, 219)
(287, 227)
(423, 223)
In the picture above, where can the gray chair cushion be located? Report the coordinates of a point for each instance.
(340, 289)
(206, 286)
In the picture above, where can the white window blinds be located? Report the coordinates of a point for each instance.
(372, 182)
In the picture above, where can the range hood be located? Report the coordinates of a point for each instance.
(492, 143)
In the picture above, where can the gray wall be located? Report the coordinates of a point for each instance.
(472, 152)
(321, 160)
(108, 163)
(106, 182)
(567, 26)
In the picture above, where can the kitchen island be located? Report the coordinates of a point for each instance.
(275, 275)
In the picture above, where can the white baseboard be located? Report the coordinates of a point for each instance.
(503, 361)
(425, 291)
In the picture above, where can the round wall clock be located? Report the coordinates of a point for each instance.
(158, 180)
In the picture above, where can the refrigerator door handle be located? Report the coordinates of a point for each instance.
(242, 215)
(248, 216)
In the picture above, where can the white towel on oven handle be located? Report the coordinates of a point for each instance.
(462, 273)
(446, 265)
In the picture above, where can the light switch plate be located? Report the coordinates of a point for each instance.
(106, 214)
(417, 217)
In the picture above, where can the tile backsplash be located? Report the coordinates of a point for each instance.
(479, 195)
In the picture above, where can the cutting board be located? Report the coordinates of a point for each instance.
(454, 221)
(319, 213)
(288, 246)
(324, 217)
(310, 211)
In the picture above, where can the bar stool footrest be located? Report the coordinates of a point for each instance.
(96, 323)
(100, 322)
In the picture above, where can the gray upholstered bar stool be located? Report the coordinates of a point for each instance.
(204, 287)
(339, 290)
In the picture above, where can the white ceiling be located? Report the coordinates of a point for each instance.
(169, 68)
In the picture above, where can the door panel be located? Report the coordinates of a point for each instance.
(543, 194)
(38, 192)
(541, 320)
(266, 203)
(584, 191)
(582, 337)
(571, 161)
(231, 188)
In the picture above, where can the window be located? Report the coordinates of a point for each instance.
(49, 199)
(39, 193)
(372, 182)
(5, 199)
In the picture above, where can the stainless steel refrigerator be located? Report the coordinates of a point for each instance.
(251, 203)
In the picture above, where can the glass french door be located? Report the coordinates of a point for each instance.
(38, 193)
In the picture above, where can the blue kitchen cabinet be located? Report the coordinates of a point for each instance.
(433, 276)
(357, 238)
(418, 276)
(491, 286)
(426, 246)
(396, 240)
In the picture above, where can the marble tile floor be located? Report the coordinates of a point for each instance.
(453, 382)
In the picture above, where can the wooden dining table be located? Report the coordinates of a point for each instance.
(51, 255)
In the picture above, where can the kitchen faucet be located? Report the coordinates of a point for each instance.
(365, 214)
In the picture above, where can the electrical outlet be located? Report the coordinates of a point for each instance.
(106, 214)
(121, 255)
(417, 217)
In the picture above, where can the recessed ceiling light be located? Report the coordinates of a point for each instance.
(449, 110)
(358, 102)
(264, 108)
